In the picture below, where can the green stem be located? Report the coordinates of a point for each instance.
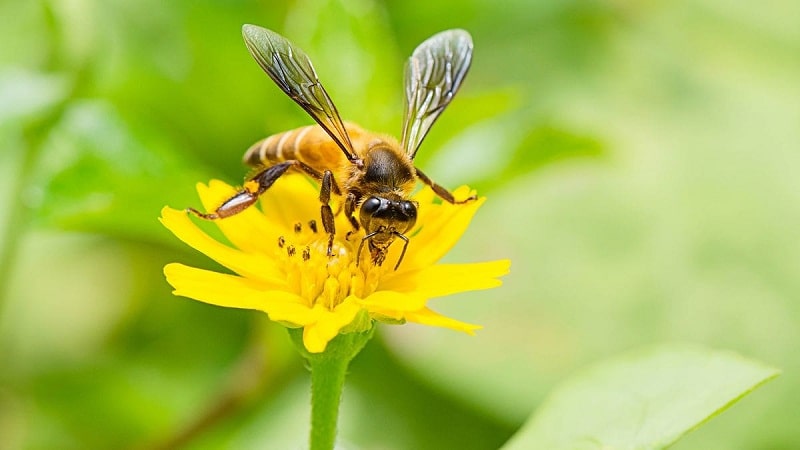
(327, 382)
(328, 371)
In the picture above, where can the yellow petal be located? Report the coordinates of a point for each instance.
(234, 292)
(294, 198)
(446, 279)
(251, 265)
(317, 335)
(425, 195)
(430, 204)
(387, 300)
(439, 234)
(382, 315)
(429, 317)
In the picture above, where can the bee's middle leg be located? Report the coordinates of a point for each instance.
(326, 185)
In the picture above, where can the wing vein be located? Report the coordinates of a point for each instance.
(434, 73)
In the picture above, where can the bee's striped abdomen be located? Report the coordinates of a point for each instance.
(276, 148)
(310, 144)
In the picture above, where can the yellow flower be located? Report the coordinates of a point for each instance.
(280, 265)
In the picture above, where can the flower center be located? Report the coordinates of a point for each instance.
(321, 279)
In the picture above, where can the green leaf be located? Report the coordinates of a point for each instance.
(99, 176)
(548, 143)
(25, 94)
(645, 400)
(489, 151)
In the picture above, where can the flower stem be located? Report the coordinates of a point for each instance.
(328, 370)
(327, 382)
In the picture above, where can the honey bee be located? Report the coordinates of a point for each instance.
(375, 174)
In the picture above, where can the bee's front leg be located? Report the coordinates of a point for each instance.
(443, 193)
(350, 204)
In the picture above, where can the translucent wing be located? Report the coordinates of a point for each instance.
(434, 73)
(291, 69)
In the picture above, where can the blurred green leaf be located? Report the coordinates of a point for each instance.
(97, 175)
(492, 150)
(26, 93)
(451, 140)
(643, 401)
(547, 143)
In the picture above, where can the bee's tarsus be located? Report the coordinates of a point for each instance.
(330, 246)
(206, 216)
(471, 198)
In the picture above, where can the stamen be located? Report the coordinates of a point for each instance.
(356, 282)
(309, 286)
(330, 293)
(326, 281)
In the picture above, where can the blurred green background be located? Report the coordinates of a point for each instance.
(640, 160)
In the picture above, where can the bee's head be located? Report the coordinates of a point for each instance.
(383, 220)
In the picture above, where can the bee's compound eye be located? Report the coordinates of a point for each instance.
(409, 209)
(371, 205)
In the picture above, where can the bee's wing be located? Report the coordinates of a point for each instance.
(433, 74)
(291, 69)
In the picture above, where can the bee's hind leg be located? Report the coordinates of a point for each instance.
(246, 198)
(442, 192)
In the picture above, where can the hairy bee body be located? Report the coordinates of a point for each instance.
(387, 169)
